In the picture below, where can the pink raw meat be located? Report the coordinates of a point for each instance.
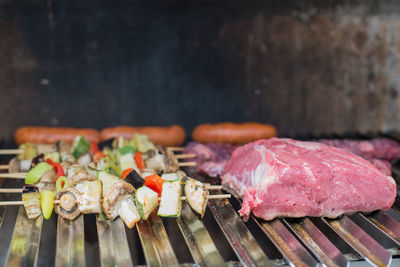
(289, 178)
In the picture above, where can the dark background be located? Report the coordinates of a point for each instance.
(311, 68)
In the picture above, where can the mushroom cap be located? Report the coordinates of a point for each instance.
(72, 169)
(68, 208)
(170, 161)
(113, 195)
(82, 175)
(13, 165)
(48, 177)
(65, 165)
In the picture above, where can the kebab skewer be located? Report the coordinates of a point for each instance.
(81, 179)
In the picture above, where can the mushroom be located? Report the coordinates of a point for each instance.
(65, 151)
(81, 175)
(73, 169)
(90, 189)
(118, 200)
(44, 149)
(65, 165)
(68, 207)
(170, 161)
(13, 166)
(85, 159)
(47, 181)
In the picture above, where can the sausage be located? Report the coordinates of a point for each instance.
(49, 135)
(173, 135)
(233, 133)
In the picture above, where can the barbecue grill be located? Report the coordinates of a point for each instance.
(311, 68)
(222, 238)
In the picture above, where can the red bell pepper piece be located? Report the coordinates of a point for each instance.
(98, 155)
(94, 148)
(57, 167)
(126, 172)
(139, 160)
(154, 182)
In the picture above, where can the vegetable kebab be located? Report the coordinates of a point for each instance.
(86, 186)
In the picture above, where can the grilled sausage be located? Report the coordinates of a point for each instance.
(173, 135)
(232, 133)
(49, 135)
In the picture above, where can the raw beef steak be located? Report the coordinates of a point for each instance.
(289, 178)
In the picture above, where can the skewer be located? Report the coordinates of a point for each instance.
(172, 148)
(4, 167)
(11, 151)
(16, 203)
(17, 175)
(10, 190)
(19, 151)
(19, 190)
(185, 156)
(187, 164)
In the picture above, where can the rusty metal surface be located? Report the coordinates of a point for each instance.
(70, 246)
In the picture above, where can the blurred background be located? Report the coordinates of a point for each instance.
(311, 68)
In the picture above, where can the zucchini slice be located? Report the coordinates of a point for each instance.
(107, 180)
(127, 161)
(196, 195)
(170, 205)
(146, 201)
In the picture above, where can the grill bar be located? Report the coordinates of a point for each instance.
(286, 243)
(70, 246)
(156, 246)
(113, 244)
(237, 234)
(24, 246)
(201, 246)
(360, 241)
(386, 224)
(317, 242)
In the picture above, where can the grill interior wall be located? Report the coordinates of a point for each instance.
(308, 67)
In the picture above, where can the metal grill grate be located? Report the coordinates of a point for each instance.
(349, 240)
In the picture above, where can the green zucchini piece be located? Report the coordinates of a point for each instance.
(127, 161)
(107, 180)
(54, 156)
(80, 146)
(143, 143)
(196, 195)
(47, 203)
(30, 151)
(170, 204)
(146, 201)
(33, 176)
